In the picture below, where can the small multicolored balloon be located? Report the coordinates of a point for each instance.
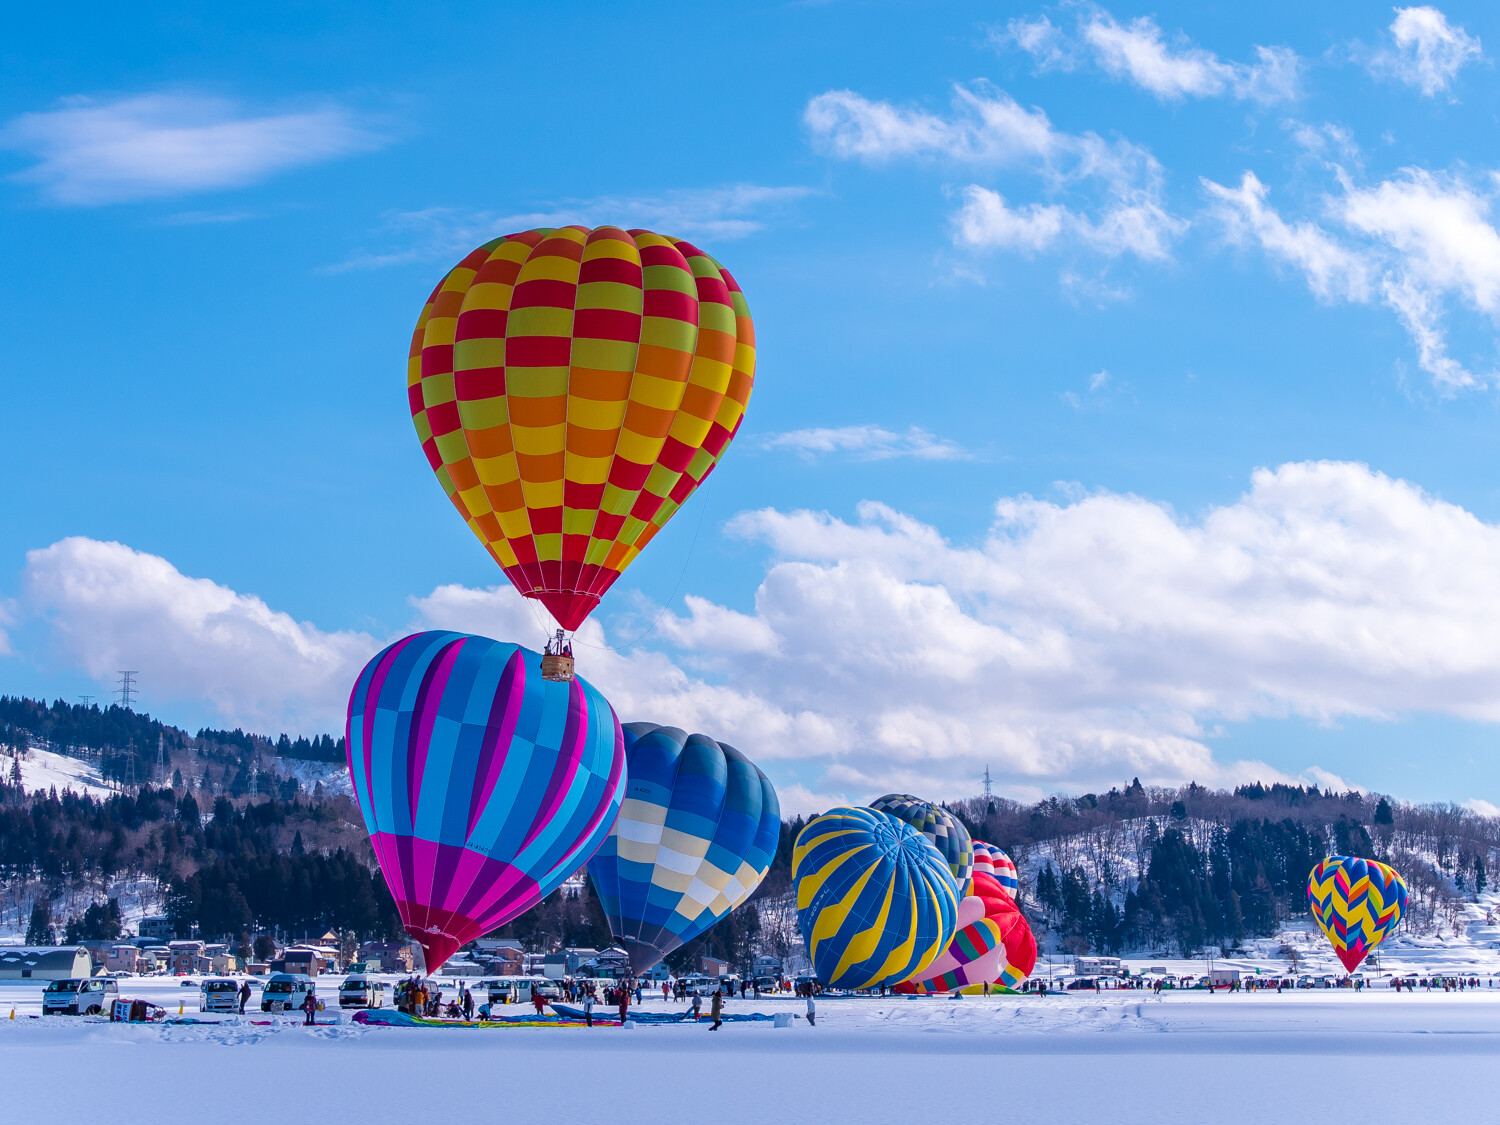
(876, 903)
(945, 831)
(991, 859)
(1356, 902)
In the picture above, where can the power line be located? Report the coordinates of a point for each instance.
(127, 691)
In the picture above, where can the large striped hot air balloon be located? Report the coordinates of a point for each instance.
(482, 785)
(1356, 902)
(876, 902)
(571, 388)
(994, 944)
(696, 834)
(995, 862)
(940, 826)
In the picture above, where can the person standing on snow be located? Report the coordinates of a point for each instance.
(310, 1006)
(812, 1010)
(697, 1005)
(588, 1008)
(717, 1008)
(624, 994)
(244, 995)
(468, 1005)
(536, 999)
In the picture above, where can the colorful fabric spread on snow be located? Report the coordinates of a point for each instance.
(696, 834)
(636, 1015)
(944, 830)
(571, 388)
(483, 786)
(991, 859)
(387, 1017)
(876, 902)
(1356, 902)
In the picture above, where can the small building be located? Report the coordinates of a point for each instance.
(45, 962)
(122, 959)
(1098, 967)
(1220, 977)
(187, 958)
(97, 948)
(223, 963)
(308, 959)
(386, 956)
(156, 928)
(713, 966)
(502, 957)
(566, 962)
(768, 966)
(613, 962)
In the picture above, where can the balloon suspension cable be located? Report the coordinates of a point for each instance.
(702, 512)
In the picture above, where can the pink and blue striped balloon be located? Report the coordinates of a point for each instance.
(483, 786)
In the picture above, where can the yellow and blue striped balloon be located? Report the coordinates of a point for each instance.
(946, 831)
(876, 902)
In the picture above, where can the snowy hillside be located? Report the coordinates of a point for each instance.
(44, 770)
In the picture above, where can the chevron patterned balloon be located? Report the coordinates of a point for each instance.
(1356, 902)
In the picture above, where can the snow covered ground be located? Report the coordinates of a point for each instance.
(1122, 1057)
(42, 769)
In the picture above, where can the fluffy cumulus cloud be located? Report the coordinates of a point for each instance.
(91, 152)
(1137, 51)
(1425, 51)
(194, 640)
(1111, 189)
(1076, 644)
(1418, 242)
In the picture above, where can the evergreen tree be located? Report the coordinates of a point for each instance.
(39, 929)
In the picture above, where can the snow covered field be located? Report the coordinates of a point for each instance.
(1121, 1057)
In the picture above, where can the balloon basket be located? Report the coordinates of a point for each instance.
(557, 667)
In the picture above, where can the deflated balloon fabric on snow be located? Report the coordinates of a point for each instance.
(482, 785)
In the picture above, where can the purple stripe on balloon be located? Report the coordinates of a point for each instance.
(505, 711)
(387, 852)
(565, 768)
(434, 679)
(607, 806)
(372, 705)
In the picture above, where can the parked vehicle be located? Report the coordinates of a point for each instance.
(285, 992)
(79, 996)
(361, 991)
(517, 990)
(219, 994)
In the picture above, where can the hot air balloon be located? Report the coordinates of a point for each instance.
(941, 827)
(482, 785)
(697, 832)
(994, 944)
(991, 859)
(1357, 902)
(571, 388)
(876, 903)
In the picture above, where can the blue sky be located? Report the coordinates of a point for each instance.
(1133, 370)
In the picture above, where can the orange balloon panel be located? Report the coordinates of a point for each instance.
(571, 388)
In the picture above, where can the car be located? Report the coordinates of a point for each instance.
(361, 991)
(219, 994)
(76, 996)
(286, 992)
(189, 983)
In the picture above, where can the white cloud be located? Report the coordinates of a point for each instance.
(867, 443)
(193, 640)
(1077, 644)
(1138, 52)
(1415, 240)
(153, 145)
(1119, 182)
(1481, 807)
(717, 214)
(1427, 51)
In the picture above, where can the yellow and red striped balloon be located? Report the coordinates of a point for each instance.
(571, 388)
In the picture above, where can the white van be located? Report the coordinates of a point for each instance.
(286, 992)
(517, 990)
(219, 994)
(79, 997)
(361, 991)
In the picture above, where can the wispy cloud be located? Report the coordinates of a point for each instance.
(1120, 212)
(1139, 52)
(92, 152)
(867, 443)
(1425, 51)
(716, 214)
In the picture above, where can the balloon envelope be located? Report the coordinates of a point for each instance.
(696, 834)
(482, 785)
(571, 388)
(1356, 902)
(944, 830)
(995, 862)
(996, 946)
(876, 903)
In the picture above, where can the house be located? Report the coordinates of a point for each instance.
(713, 966)
(1221, 977)
(566, 962)
(186, 958)
(97, 948)
(606, 963)
(123, 959)
(501, 956)
(309, 959)
(386, 956)
(156, 928)
(224, 963)
(46, 962)
(768, 966)
(1098, 967)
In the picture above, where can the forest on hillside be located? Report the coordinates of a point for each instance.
(1134, 869)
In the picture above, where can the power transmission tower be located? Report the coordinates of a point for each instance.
(254, 780)
(127, 690)
(989, 789)
(159, 774)
(88, 700)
